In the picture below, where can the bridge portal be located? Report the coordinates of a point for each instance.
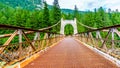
(65, 22)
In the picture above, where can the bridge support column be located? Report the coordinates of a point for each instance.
(65, 22)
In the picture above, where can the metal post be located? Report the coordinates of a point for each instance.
(20, 42)
(88, 37)
(47, 40)
(112, 30)
(50, 39)
(36, 38)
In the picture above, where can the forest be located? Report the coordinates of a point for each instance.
(30, 17)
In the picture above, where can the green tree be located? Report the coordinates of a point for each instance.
(46, 21)
(76, 13)
(56, 11)
(56, 15)
(88, 19)
(115, 17)
(102, 18)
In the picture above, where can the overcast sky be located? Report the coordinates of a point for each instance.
(84, 5)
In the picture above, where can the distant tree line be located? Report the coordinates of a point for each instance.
(97, 19)
(46, 17)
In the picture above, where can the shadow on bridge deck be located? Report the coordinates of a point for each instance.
(70, 54)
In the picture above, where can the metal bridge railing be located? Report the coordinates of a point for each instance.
(13, 53)
(106, 39)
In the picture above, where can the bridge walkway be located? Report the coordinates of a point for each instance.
(69, 53)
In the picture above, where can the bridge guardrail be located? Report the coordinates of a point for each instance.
(108, 42)
(13, 53)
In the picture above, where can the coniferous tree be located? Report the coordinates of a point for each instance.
(88, 19)
(56, 11)
(46, 21)
(110, 16)
(101, 18)
(115, 17)
(76, 13)
(56, 15)
(77, 16)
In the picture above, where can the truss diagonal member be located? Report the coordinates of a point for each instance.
(106, 38)
(28, 41)
(8, 41)
(115, 30)
(91, 37)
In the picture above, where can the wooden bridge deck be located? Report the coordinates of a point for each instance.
(70, 54)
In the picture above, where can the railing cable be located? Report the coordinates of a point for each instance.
(85, 25)
(29, 29)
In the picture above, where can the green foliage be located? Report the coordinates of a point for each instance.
(56, 11)
(46, 20)
(88, 20)
(100, 18)
(76, 13)
(56, 15)
(69, 29)
(25, 4)
(115, 18)
(67, 16)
